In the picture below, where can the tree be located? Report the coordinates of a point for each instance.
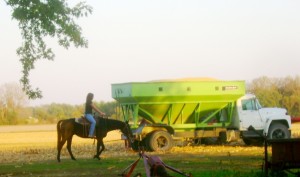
(266, 90)
(290, 89)
(12, 102)
(39, 19)
(108, 107)
(278, 92)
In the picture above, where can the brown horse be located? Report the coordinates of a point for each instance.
(68, 127)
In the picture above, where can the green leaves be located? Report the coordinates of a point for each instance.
(48, 18)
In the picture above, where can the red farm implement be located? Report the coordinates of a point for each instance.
(295, 119)
(285, 156)
(154, 167)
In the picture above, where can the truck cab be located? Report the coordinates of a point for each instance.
(271, 122)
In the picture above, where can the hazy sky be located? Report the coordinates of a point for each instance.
(138, 40)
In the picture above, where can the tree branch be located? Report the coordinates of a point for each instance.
(39, 19)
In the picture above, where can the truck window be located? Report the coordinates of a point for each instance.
(249, 104)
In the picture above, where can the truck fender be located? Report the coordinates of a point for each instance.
(266, 129)
(269, 122)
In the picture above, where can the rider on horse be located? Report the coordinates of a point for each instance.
(89, 107)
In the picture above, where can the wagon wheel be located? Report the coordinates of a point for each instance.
(278, 131)
(160, 141)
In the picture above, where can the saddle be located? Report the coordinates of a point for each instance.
(85, 124)
(82, 120)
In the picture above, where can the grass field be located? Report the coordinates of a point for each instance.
(31, 151)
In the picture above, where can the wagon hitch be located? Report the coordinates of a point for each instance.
(154, 167)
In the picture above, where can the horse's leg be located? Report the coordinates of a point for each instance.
(60, 144)
(60, 140)
(69, 144)
(99, 143)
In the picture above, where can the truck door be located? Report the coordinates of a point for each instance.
(249, 114)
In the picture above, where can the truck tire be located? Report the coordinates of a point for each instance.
(278, 131)
(160, 141)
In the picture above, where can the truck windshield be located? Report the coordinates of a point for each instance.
(250, 104)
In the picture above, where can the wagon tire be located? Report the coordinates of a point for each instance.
(160, 141)
(278, 131)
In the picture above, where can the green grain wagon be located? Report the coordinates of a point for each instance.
(161, 111)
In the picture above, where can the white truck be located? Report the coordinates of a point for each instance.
(275, 123)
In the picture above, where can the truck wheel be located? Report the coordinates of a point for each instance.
(278, 131)
(160, 141)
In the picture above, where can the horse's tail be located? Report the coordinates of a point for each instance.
(59, 131)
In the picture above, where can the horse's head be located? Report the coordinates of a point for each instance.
(127, 131)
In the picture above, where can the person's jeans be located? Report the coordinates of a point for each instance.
(91, 119)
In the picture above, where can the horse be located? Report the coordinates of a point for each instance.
(66, 128)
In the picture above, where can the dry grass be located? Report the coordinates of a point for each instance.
(21, 147)
(34, 143)
(27, 146)
(39, 146)
(296, 130)
(27, 128)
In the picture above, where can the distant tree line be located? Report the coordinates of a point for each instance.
(14, 109)
(278, 92)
